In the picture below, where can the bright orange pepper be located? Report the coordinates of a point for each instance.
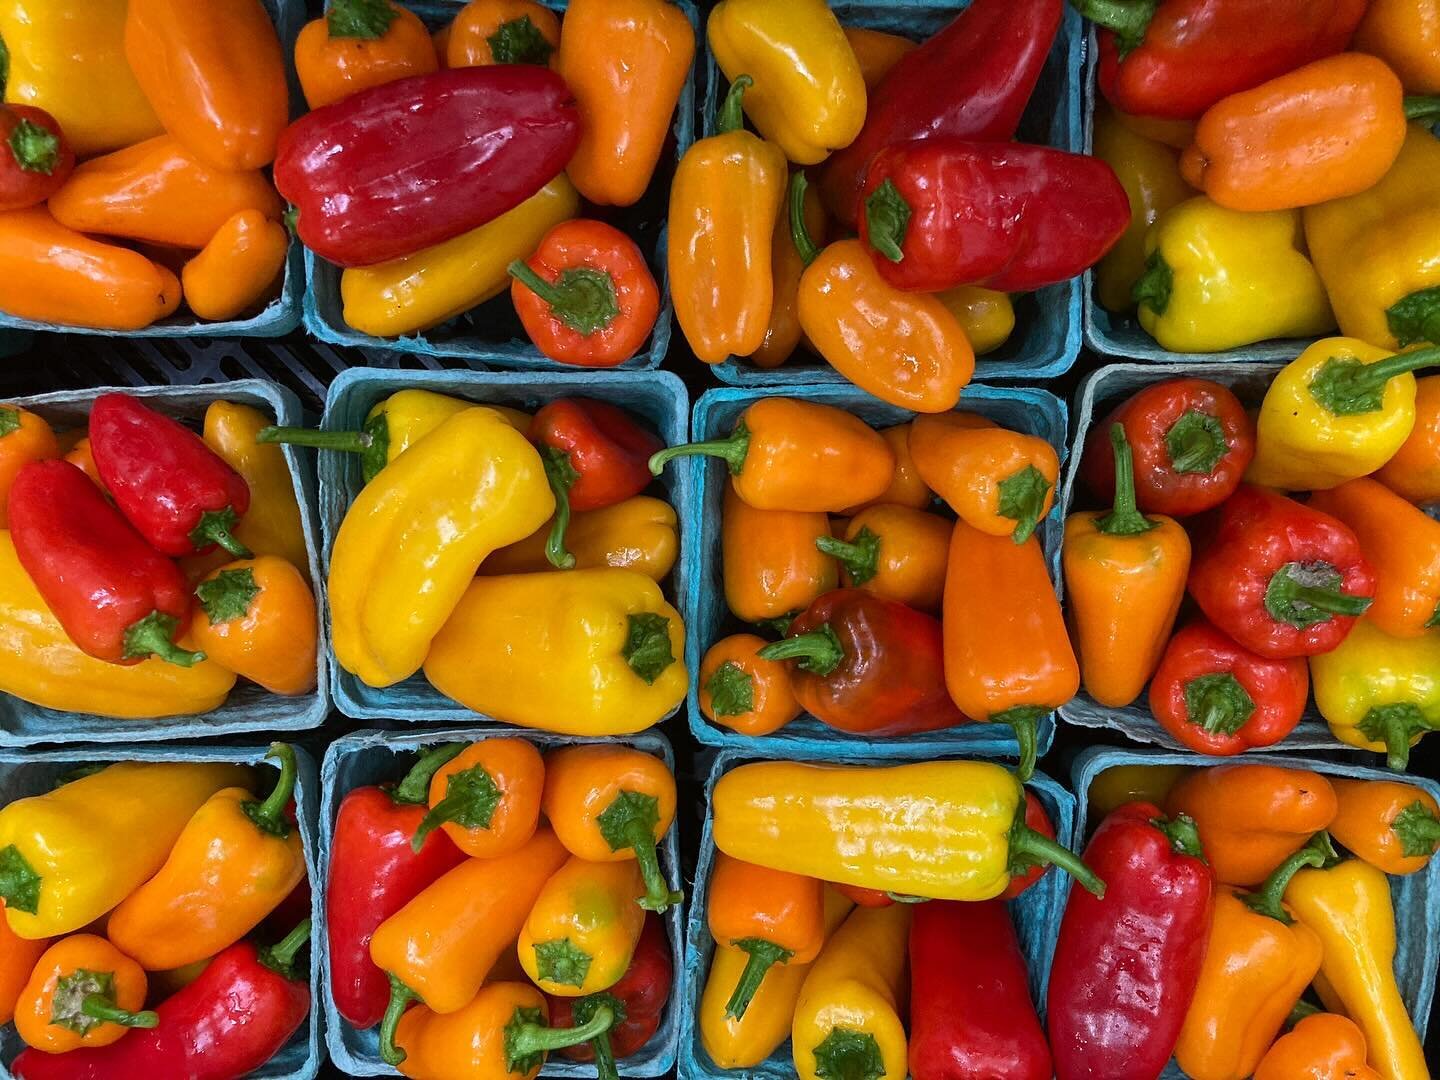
(487, 799)
(238, 268)
(503, 32)
(877, 52)
(1414, 471)
(18, 957)
(1406, 35)
(906, 488)
(257, 617)
(24, 437)
(743, 691)
(357, 45)
(894, 552)
(783, 335)
(441, 40)
(83, 992)
(1393, 826)
(81, 457)
(770, 565)
(1321, 1047)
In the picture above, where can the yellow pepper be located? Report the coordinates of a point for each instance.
(1339, 410)
(584, 652)
(70, 855)
(637, 534)
(986, 316)
(1216, 279)
(432, 286)
(1121, 784)
(809, 93)
(847, 1022)
(583, 929)
(412, 540)
(1349, 907)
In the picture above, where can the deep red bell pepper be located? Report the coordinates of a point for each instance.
(1191, 442)
(230, 1021)
(374, 872)
(638, 1001)
(970, 1014)
(1176, 58)
(972, 80)
(1126, 965)
(1217, 697)
(596, 455)
(1039, 821)
(182, 496)
(35, 156)
(942, 211)
(868, 665)
(415, 162)
(118, 598)
(1280, 578)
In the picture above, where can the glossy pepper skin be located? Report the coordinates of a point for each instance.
(876, 52)
(1414, 470)
(986, 316)
(783, 334)
(487, 799)
(241, 265)
(743, 691)
(1406, 35)
(1126, 964)
(641, 533)
(896, 553)
(1121, 784)
(1394, 827)
(257, 617)
(971, 1013)
(83, 992)
(501, 32)
(499, 134)
(358, 44)
(35, 157)
(24, 437)
(18, 957)
(583, 928)
(1280, 578)
(906, 487)
(1217, 697)
(1320, 1047)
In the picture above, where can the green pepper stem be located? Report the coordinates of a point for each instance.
(819, 651)
(347, 442)
(732, 450)
(860, 557)
(1217, 703)
(364, 20)
(659, 897)
(1425, 108)
(150, 636)
(1370, 376)
(582, 298)
(280, 957)
(731, 116)
(1125, 518)
(1023, 719)
(100, 1007)
(799, 231)
(34, 148)
(269, 816)
(763, 956)
(1029, 848)
(1196, 443)
(1418, 830)
(526, 1039)
(1183, 834)
(1126, 19)
(1266, 900)
(561, 475)
(1154, 286)
(401, 997)
(1395, 725)
(414, 789)
(1302, 1010)
(887, 218)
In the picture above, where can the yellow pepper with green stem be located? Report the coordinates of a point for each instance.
(582, 932)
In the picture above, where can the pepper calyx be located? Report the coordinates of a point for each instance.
(860, 555)
(1303, 595)
(817, 651)
(228, 595)
(647, 646)
(519, 41)
(1217, 703)
(217, 527)
(19, 883)
(471, 799)
(1267, 897)
(1418, 830)
(731, 689)
(153, 636)
(35, 149)
(363, 19)
(887, 217)
(581, 297)
(630, 822)
(1154, 286)
(1196, 443)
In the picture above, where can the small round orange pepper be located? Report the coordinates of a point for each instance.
(743, 691)
(1393, 826)
(257, 618)
(24, 437)
(503, 32)
(358, 44)
(487, 799)
(1321, 1047)
(238, 268)
(83, 992)
(894, 552)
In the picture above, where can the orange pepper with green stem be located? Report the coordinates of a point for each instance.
(1393, 826)
(358, 44)
(894, 552)
(257, 618)
(24, 437)
(18, 957)
(1414, 470)
(240, 266)
(502, 32)
(583, 928)
(83, 992)
(487, 799)
(743, 691)
(1324, 1046)
(771, 562)
(783, 334)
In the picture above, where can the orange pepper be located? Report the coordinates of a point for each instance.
(215, 75)
(24, 437)
(83, 459)
(1393, 826)
(53, 274)
(358, 44)
(626, 62)
(877, 52)
(1414, 471)
(906, 488)
(743, 691)
(83, 992)
(894, 552)
(774, 916)
(782, 335)
(1008, 658)
(771, 566)
(1324, 131)
(441, 40)
(18, 957)
(1406, 35)
(487, 799)
(1253, 817)
(503, 32)
(238, 268)
(1321, 1047)
(257, 618)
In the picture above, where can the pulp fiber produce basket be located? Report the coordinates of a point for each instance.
(1046, 339)
(1028, 410)
(374, 757)
(656, 398)
(1416, 897)
(249, 708)
(491, 334)
(1036, 913)
(34, 772)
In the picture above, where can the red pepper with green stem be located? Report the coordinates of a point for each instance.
(1026, 868)
(35, 156)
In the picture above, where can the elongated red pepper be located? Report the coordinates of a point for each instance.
(1280, 578)
(868, 665)
(35, 156)
(942, 211)
(227, 1023)
(970, 1013)
(596, 455)
(412, 163)
(184, 498)
(638, 1001)
(1176, 58)
(1037, 819)
(1126, 965)
(116, 596)
(973, 80)
(374, 872)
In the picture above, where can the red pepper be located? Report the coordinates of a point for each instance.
(596, 455)
(868, 665)
(942, 212)
(229, 1022)
(973, 80)
(182, 496)
(1039, 821)
(116, 596)
(862, 897)
(638, 1001)
(35, 156)
(1217, 697)
(1191, 441)
(415, 162)
(374, 872)
(971, 1014)
(1280, 578)
(586, 296)
(1126, 965)
(1176, 58)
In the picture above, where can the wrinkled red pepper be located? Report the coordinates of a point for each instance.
(415, 162)
(35, 156)
(1280, 578)
(1126, 965)
(118, 598)
(942, 211)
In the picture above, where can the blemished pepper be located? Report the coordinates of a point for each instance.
(24, 437)
(502, 32)
(894, 552)
(1349, 907)
(1279, 577)
(728, 190)
(1126, 964)
(82, 992)
(1414, 470)
(741, 690)
(1380, 692)
(1253, 817)
(486, 799)
(783, 334)
(876, 52)
(1394, 827)
(1121, 784)
(358, 44)
(18, 957)
(241, 266)
(1406, 35)
(583, 928)
(809, 93)
(62, 866)
(257, 617)
(641, 533)
(1320, 1047)
(612, 804)
(35, 157)
(986, 316)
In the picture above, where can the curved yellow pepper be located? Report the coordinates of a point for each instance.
(637, 534)
(809, 93)
(584, 652)
(582, 932)
(986, 316)
(412, 540)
